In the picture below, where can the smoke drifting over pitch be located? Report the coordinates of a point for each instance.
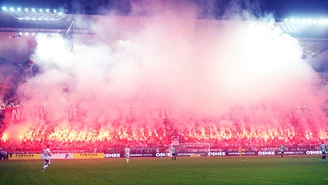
(191, 69)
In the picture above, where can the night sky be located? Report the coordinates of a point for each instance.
(213, 8)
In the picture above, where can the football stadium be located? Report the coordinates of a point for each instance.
(162, 92)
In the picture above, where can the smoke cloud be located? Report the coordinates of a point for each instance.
(185, 68)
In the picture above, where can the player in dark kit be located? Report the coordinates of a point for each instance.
(323, 149)
(174, 157)
(282, 150)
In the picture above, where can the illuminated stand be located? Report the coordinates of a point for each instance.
(33, 21)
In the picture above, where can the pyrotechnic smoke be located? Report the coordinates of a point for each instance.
(169, 60)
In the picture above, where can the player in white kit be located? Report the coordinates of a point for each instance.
(46, 157)
(127, 154)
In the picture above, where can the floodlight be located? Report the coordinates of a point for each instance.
(4, 8)
(315, 21)
(55, 11)
(47, 10)
(33, 9)
(309, 21)
(33, 33)
(286, 20)
(19, 9)
(292, 20)
(40, 10)
(20, 33)
(298, 20)
(12, 9)
(303, 20)
(26, 9)
(26, 33)
(321, 21)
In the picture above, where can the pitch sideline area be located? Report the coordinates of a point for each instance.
(149, 171)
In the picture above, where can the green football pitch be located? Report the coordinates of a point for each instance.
(160, 171)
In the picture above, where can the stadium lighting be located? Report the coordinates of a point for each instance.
(26, 33)
(47, 10)
(309, 21)
(298, 20)
(33, 33)
(12, 9)
(4, 8)
(321, 21)
(303, 21)
(40, 10)
(26, 9)
(20, 33)
(55, 11)
(19, 9)
(315, 21)
(286, 20)
(292, 20)
(33, 9)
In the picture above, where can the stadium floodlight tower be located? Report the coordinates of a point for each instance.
(69, 35)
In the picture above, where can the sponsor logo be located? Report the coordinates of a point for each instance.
(190, 154)
(160, 154)
(24, 155)
(292, 153)
(312, 152)
(87, 155)
(216, 153)
(266, 153)
(113, 155)
(147, 155)
(136, 155)
(243, 153)
(142, 155)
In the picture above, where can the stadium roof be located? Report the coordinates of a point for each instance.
(312, 33)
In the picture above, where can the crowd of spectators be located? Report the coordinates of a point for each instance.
(91, 142)
(228, 139)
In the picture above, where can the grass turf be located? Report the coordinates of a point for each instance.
(161, 171)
